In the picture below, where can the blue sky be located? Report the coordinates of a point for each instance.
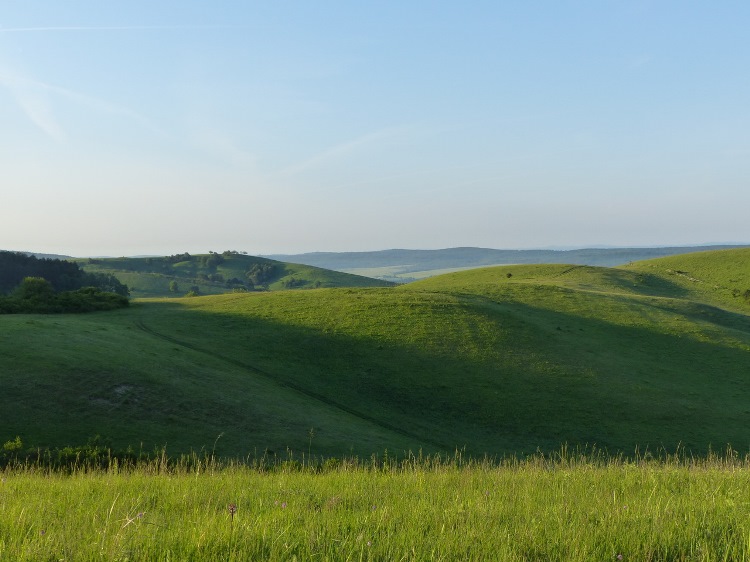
(148, 127)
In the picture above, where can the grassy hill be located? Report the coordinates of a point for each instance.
(494, 360)
(721, 277)
(403, 266)
(214, 273)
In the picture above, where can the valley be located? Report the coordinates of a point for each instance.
(490, 361)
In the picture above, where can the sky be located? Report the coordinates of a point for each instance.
(152, 128)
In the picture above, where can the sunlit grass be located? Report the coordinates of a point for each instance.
(542, 508)
(496, 360)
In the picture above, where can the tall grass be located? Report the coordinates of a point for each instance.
(572, 507)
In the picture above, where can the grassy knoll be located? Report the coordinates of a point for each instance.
(721, 277)
(210, 274)
(541, 509)
(489, 361)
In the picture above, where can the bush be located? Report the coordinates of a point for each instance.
(34, 288)
(37, 296)
(13, 446)
(260, 273)
(292, 283)
(105, 282)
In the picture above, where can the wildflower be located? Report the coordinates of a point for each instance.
(42, 532)
(374, 507)
(140, 515)
(619, 556)
(369, 543)
(232, 510)
(283, 505)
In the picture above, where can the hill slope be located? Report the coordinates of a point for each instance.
(495, 360)
(722, 277)
(215, 273)
(408, 265)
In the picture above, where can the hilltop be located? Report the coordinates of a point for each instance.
(493, 361)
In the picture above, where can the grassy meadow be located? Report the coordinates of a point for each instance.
(418, 422)
(555, 508)
(494, 361)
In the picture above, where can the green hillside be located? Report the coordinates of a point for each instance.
(214, 273)
(495, 360)
(721, 277)
(404, 266)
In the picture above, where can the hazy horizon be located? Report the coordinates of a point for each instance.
(139, 129)
(395, 249)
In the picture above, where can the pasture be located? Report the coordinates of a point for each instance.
(494, 361)
(556, 508)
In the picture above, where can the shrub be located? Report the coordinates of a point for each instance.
(13, 446)
(34, 288)
(37, 296)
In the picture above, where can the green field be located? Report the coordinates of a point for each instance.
(405, 273)
(417, 422)
(489, 361)
(214, 273)
(562, 508)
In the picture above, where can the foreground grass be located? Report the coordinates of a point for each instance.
(539, 509)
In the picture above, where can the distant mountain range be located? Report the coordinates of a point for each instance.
(397, 264)
(401, 265)
(40, 256)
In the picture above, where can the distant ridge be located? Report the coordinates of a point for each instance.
(40, 256)
(214, 273)
(408, 261)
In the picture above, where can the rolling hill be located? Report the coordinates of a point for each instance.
(214, 273)
(495, 360)
(404, 266)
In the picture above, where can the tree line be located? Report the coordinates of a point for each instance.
(32, 285)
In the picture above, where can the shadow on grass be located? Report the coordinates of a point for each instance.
(556, 378)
